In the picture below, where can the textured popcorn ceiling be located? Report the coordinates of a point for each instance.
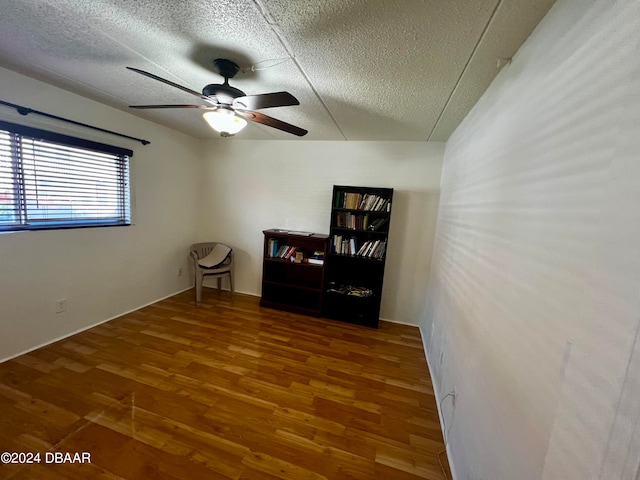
(362, 69)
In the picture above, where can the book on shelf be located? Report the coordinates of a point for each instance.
(352, 221)
(272, 247)
(342, 245)
(349, 246)
(336, 244)
(372, 249)
(351, 291)
(352, 200)
(378, 223)
(317, 258)
(285, 252)
(373, 245)
(381, 252)
(359, 292)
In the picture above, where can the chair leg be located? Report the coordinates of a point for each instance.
(198, 287)
(231, 284)
(219, 285)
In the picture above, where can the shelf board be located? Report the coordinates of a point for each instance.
(289, 262)
(356, 210)
(293, 286)
(294, 235)
(359, 257)
(359, 230)
(343, 297)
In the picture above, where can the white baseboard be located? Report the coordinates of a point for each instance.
(399, 323)
(228, 290)
(437, 396)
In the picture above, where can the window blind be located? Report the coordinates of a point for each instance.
(48, 180)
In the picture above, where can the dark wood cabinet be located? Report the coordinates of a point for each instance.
(292, 284)
(358, 242)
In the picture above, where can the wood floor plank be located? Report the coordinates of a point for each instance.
(227, 390)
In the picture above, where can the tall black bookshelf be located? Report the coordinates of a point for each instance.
(358, 244)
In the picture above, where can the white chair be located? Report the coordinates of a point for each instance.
(205, 263)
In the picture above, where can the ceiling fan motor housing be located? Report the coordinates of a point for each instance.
(222, 90)
(227, 69)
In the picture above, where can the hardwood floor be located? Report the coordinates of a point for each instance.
(228, 391)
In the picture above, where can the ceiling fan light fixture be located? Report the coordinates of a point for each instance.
(224, 121)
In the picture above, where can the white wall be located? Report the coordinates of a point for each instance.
(102, 272)
(534, 301)
(255, 185)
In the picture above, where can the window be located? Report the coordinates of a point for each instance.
(49, 180)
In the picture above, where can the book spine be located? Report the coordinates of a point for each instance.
(337, 244)
(363, 250)
(373, 248)
(383, 248)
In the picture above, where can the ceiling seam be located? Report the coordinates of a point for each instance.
(466, 66)
(275, 29)
(106, 34)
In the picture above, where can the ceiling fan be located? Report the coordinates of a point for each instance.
(229, 108)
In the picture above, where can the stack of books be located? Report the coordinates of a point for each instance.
(317, 258)
(343, 246)
(354, 222)
(373, 249)
(284, 251)
(374, 203)
(349, 246)
(358, 201)
(352, 291)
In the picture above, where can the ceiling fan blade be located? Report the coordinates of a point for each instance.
(203, 107)
(168, 82)
(272, 122)
(266, 100)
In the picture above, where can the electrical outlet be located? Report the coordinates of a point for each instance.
(61, 305)
(179, 271)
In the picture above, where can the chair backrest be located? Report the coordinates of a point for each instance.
(202, 249)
